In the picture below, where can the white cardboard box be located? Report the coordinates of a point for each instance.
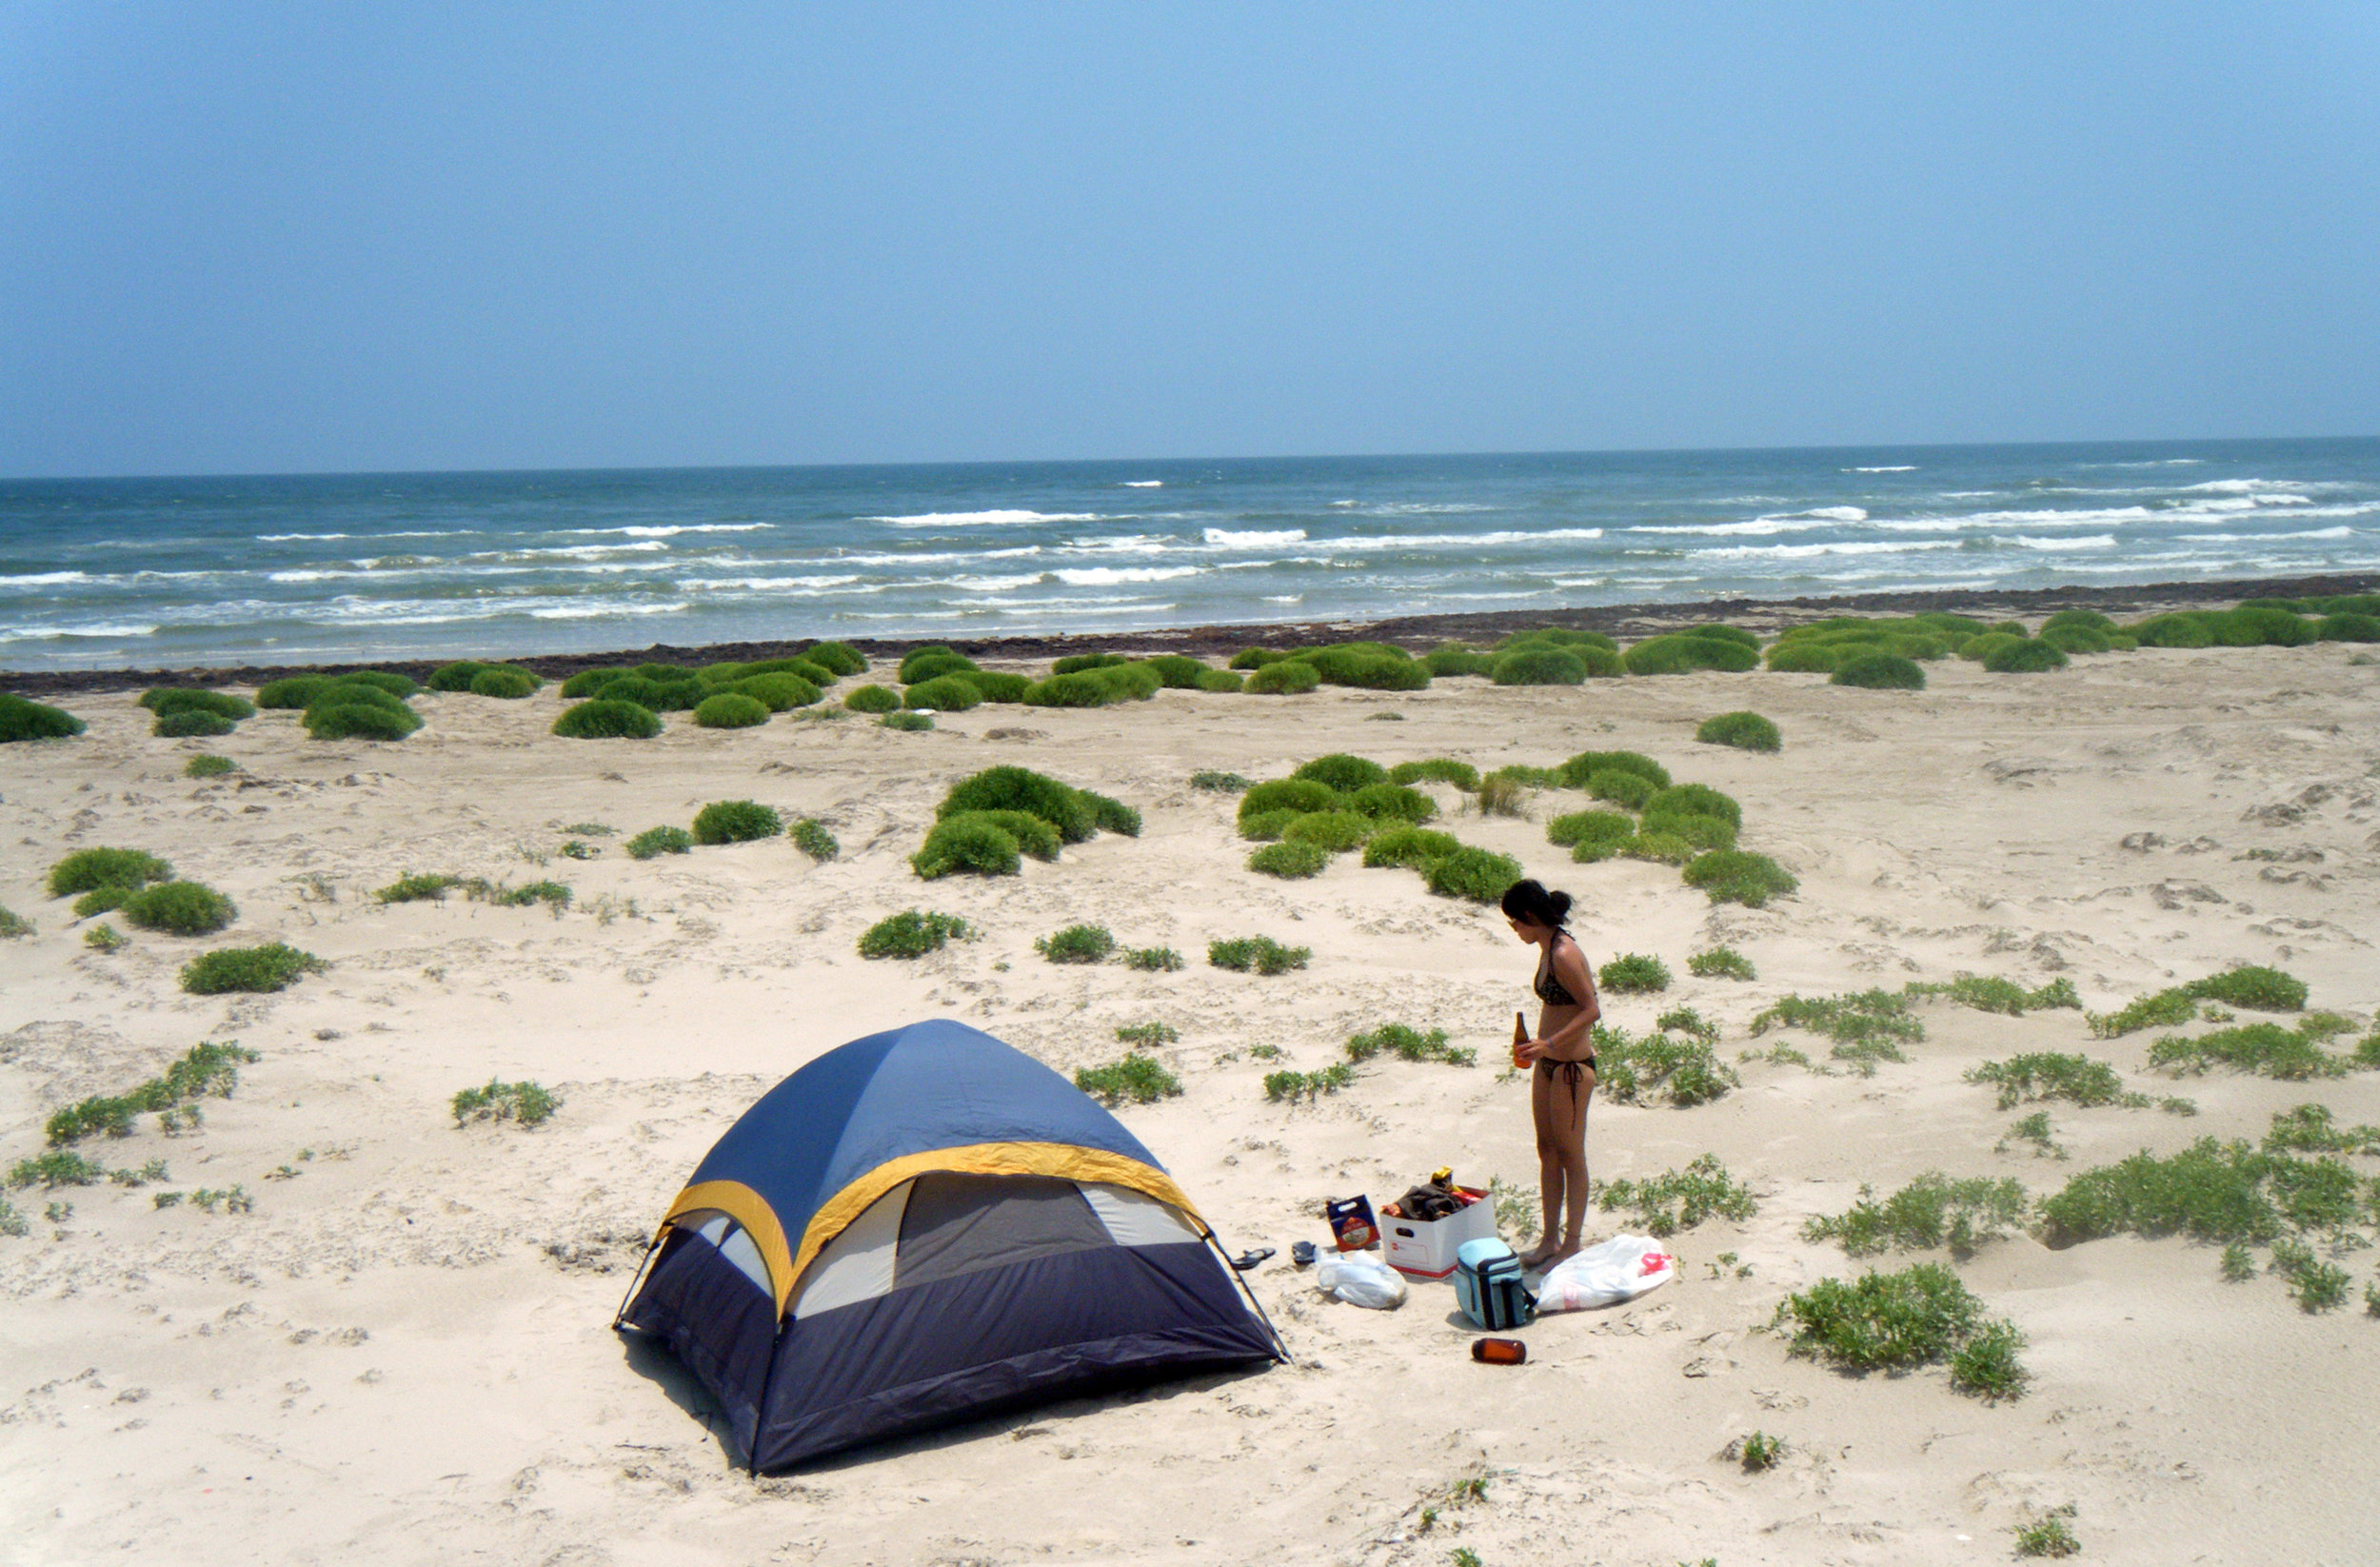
(1425, 1248)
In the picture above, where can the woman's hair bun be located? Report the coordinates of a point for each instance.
(1529, 900)
(1561, 901)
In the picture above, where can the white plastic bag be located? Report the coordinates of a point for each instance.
(1359, 1280)
(1619, 1269)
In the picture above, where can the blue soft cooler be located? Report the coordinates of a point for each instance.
(1488, 1287)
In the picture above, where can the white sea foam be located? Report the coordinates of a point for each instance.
(415, 533)
(1840, 546)
(1255, 538)
(1442, 540)
(603, 611)
(1905, 467)
(2342, 531)
(1106, 576)
(566, 552)
(672, 530)
(51, 633)
(996, 585)
(944, 557)
(1144, 483)
(1284, 598)
(973, 519)
(791, 587)
(2098, 541)
(44, 578)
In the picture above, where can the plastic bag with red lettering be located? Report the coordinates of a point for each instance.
(1619, 1269)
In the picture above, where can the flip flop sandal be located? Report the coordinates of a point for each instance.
(1249, 1260)
(1302, 1252)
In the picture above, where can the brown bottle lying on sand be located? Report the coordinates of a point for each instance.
(1521, 1036)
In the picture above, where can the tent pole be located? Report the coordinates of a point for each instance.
(1237, 1278)
(637, 1278)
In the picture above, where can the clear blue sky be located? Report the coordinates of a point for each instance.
(307, 237)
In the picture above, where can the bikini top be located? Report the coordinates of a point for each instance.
(1551, 990)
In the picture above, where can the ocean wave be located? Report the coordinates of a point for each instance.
(944, 557)
(44, 578)
(1072, 603)
(806, 586)
(1255, 538)
(1144, 483)
(1840, 546)
(1443, 541)
(2342, 531)
(564, 552)
(1284, 598)
(52, 633)
(1106, 576)
(604, 611)
(672, 530)
(1905, 467)
(414, 533)
(996, 585)
(976, 519)
(2100, 540)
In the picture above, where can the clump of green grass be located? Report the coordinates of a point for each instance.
(1136, 1079)
(736, 822)
(1077, 944)
(179, 908)
(873, 699)
(2038, 1075)
(659, 840)
(525, 1102)
(1639, 1070)
(13, 925)
(1219, 782)
(1476, 875)
(1744, 731)
(968, 843)
(22, 719)
(811, 837)
(90, 870)
(912, 933)
(1152, 960)
(251, 969)
(2034, 1129)
(910, 722)
(1342, 773)
(1930, 1211)
(1757, 1452)
(1898, 1322)
(1879, 672)
(1680, 1200)
(2310, 1129)
(1632, 972)
(2237, 1265)
(2210, 1191)
(1258, 954)
(56, 1168)
(1720, 962)
(1686, 1021)
(207, 1070)
(1867, 1026)
(1500, 794)
(1989, 992)
(2048, 1536)
(1591, 835)
(1294, 1086)
(416, 887)
(2253, 987)
(2315, 1285)
(1437, 770)
(2161, 1010)
(1413, 848)
(554, 894)
(1408, 1044)
(207, 764)
(1734, 876)
(1148, 1033)
(102, 937)
(604, 718)
(2264, 1049)
(232, 1200)
(1290, 860)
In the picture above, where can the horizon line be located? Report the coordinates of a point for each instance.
(1273, 457)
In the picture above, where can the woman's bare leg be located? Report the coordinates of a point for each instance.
(1551, 1169)
(1569, 1106)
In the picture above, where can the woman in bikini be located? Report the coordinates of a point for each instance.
(1562, 1077)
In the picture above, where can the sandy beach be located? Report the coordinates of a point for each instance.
(402, 1352)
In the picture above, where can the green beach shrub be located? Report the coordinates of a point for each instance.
(811, 837)
(1604, 830)
(1077, 944)
(1479, 876)
(1072, 811)
(589, 683)
(2264, 1049)
(995, 685)
(604, 718)
(930, 664)
(1556, 635)
(1258, 954)
(525, 1103)
(1342, 773)
(1408, 1044)
(1264, 827)
(1082, 689)
(1681, 653)
(1221, 682)
(1539, 665)
(1079, 663)
(1282, 678)
(1683, 800)
(1638, 1070)
(1977, 649)
(1881, 672)
(1930, 1211)
(1989, 992)
(1309, 1086)
(1867, 1026)
(945, 694)
(100, 901)
(1451, 660)
(207, 765)
(1300, 795)
(2348, 627)
(1895, 1321)
(179, 908)
(1127, 681)
(1179, 671)
(1134, 1080)
(816, 674)
(2253, 987)
(1334, 832)
(872, 699)
(1289, 861)
(2261, 625)
(1720, 962)
(1391, 803)
(23, 720)
(653, 696)
(292, 691)
(1744, 731)
(2045, 1075)
(163, 700)
(2211, 1192)
(1666, 849)
(87, 870)
(2070, 640)
(1439, 769)
(1805, 658)
(387, 679)
(2024, 657)
(1152, 960)
(736, 822)
(1577, 772)
(1255, 658)
(966, 843)
(416, 888)
(1634, 974)
(777, 690)
(337, 719)
(730, 710)
(838, 657)
(251, 969)
(505, 683)
(1409, 847)
(1680, 1200)
(455, 676)
(1033, 836)
(1629, 790)
(912, 933)
(659, 840)
(1219, 782)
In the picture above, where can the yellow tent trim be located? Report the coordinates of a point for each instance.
(1063, 1160)
(752, 1210)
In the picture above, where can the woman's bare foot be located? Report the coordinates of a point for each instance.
(1556, 1255)
(1537, 1257)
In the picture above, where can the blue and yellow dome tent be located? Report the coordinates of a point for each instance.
(927, 1226)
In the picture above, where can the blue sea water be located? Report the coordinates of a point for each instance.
(139, 572)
